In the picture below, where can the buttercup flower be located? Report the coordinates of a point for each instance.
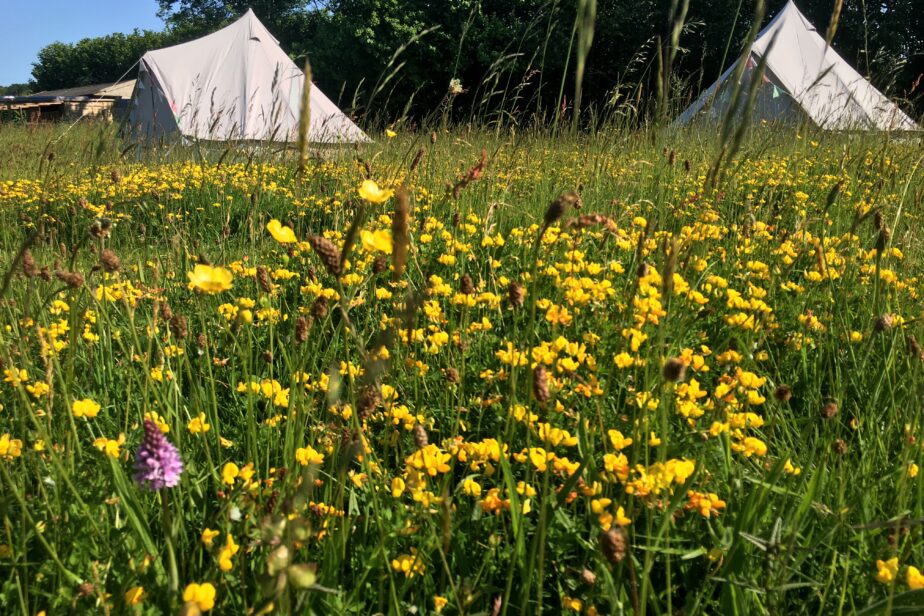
(157, 464)
(208, 279)
(280, 233)
(371, 192)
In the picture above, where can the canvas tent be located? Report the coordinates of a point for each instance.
(236, 83)
(803, 79)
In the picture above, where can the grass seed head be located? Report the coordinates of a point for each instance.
(516, 294)
(319, 308)
(614, 545)
(674, 370)
(400, 236)
(29, 268)
(420, 436)
(178, 327)
(74, 280)
(560, 206)
(884, 322)
(466, 286)
(302, 328)
(263, 279)
(369, 398)
(327, 253)
(110, 261)
(782, 393)
(588, 577)
(541, 384)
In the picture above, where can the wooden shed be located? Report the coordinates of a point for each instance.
(103, 102)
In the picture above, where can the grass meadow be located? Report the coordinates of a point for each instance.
(466, 372)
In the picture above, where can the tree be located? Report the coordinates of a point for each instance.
(93, 60)
(16, 89)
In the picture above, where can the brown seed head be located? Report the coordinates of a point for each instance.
(110, 261)
(674, 370)
(72, 279)
(369, 398)
(516, 294)
(263, 279)
(302, 327)
(782, 393)
(829, 409)
(416, 162)
(541, 384)
(420, 436)
(400, 237)
(613, 545)
(178, 327)
(319, 308)
(840, 446)
(267, 356)
(884, 323)
(327, 253)
(29, 268)
(588, 577)
(882, 240)
(379, 265)
(877, 220)
(466, 286)
(560, 205)
(451, 375)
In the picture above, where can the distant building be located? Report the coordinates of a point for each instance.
(102, 102)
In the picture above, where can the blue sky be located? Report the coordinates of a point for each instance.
(29, 25)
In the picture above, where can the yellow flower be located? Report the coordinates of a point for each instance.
(397, 487)
(10, 447)
(408, 564)
(134, 595)
(158, 420)
(371, 192)
(198, 425)
(390, 133)
(914, 578)
(377, 240)
(201, 595)
(85, 408)
(573, 604)
(208, 279)
(912, 470)
(308, 455)
(887, 570)
(109, 446)
(439, 603)
(208, 535)
(224, 557)
(471, 487)
(280, 233)
(229, 473)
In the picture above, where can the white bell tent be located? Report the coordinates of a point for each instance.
(803, 78)
(234, 84)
